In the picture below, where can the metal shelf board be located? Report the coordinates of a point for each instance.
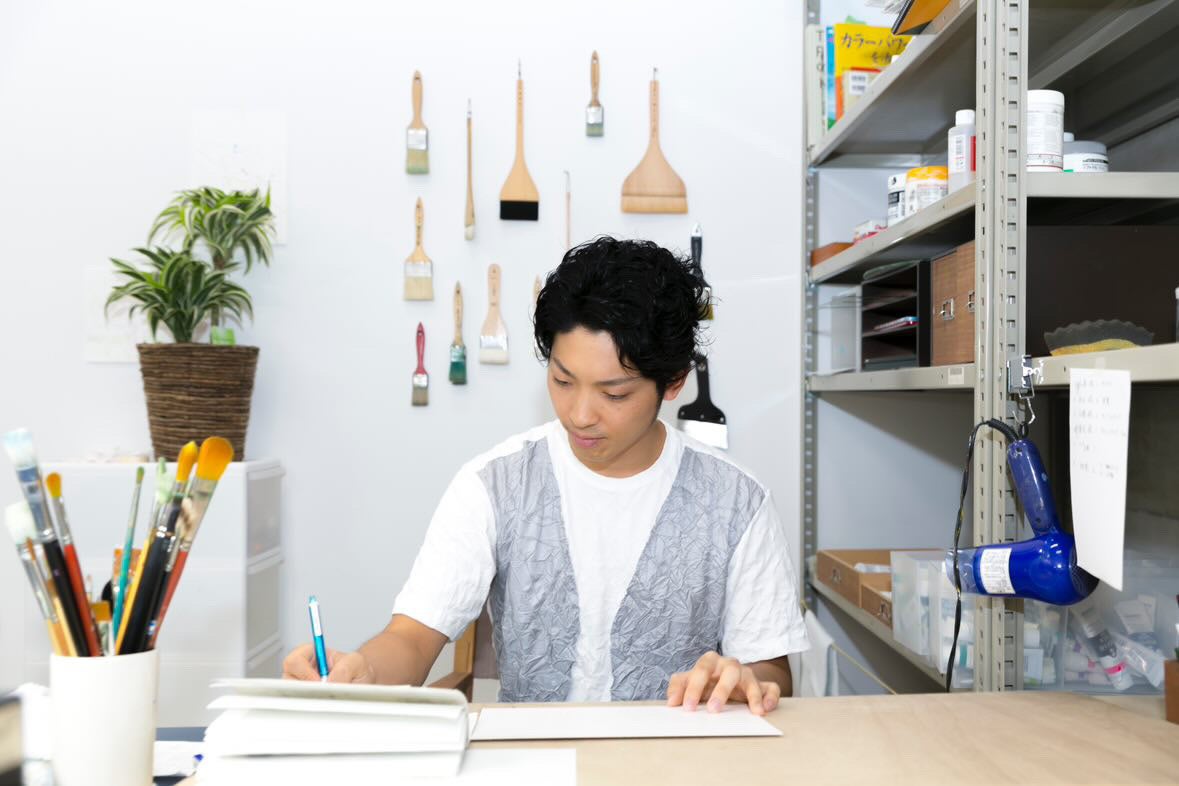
(877, 628)
(1102, 198)
(1146, 364)
(1113, 60)
(908, 108)
(933, 231)
(1053, 199)
(959, 377)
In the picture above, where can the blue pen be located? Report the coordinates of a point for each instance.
(321, 658)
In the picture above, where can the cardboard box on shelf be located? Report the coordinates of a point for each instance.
(877, 601)
(836, 569)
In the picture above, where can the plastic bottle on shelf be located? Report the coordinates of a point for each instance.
(961, 150)
(1045, 131)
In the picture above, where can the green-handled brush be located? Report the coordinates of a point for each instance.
(417, 136)
(421, 380)
(595, 115)
(458, 352)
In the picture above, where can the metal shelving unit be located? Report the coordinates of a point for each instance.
(1113, 54)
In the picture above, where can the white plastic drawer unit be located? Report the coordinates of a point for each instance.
(226, 610)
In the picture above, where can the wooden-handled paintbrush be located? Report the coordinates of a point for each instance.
(519, 200)
(653, 186)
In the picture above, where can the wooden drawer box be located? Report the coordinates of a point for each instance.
(876, 602)
(836, 569)
(951, 325)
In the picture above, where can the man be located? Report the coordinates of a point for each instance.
(619, 556)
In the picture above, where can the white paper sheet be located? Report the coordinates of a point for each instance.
(175, 758)
(1099, 432)
(498, 767)
(584, 723)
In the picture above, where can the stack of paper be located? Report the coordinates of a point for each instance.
(342, 733)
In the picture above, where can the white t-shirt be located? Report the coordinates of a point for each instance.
(607, 524)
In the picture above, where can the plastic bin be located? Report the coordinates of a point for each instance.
(911, 598)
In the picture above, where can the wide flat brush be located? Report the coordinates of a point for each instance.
(519, 200)
(653, 186)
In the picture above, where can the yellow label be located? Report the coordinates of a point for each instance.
(865, 46)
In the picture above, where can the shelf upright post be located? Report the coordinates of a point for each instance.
(1000, 233)
(808, 445)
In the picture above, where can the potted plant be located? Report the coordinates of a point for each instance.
(224, 224)
(194, 389)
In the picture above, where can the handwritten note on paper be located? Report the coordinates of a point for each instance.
(1099, 433)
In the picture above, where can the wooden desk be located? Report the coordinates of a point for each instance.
(962, 738)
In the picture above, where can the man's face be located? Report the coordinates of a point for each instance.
(609, 411)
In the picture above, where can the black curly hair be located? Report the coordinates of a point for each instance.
(649, 300)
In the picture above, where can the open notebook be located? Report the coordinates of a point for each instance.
(303, 726)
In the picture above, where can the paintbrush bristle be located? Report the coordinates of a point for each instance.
(53, 484)
(513, 210)
(419, 281)
(185, 462)
(421, 390)
(493, 349)
(458, 364)
(18, 445)
(186, 522)
(654, 203)
(216, 453)
(595, 120)
(469, 231)
(417, 160)
(19, 520)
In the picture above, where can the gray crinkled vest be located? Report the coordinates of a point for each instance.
(673, 609)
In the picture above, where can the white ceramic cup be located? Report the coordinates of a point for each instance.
(104, 719)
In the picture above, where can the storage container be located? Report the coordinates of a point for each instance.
(836, 569)
(911, 598)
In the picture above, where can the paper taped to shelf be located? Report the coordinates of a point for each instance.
(1099, 435)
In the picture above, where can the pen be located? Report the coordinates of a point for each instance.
(317, 635)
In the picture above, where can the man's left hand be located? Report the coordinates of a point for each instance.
(717, 679)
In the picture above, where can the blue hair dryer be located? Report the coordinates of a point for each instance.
(1043, 568)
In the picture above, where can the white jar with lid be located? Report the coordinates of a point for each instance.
(1084, 156)
(924, 186)
(1045, 131)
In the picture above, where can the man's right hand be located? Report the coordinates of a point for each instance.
(342, 666)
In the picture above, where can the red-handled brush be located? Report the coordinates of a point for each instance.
(421, 380)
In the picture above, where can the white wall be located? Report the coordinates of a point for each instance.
(99, 103)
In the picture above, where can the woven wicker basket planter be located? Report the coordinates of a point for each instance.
(196, 391)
